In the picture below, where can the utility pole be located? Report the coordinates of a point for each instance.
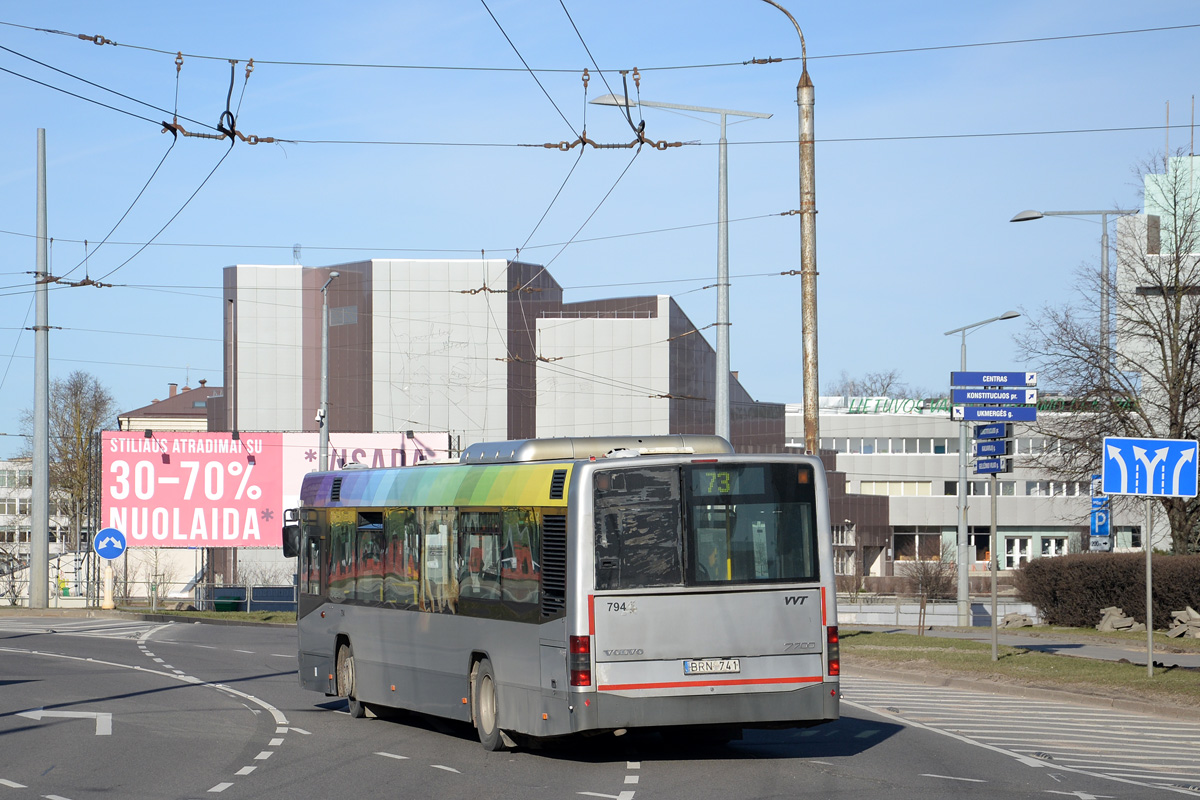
(39, 526)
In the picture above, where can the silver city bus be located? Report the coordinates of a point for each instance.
(557, 586)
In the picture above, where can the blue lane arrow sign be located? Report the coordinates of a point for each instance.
(993, 414)
(109, 543)
(993, 379)
(998, 431)
(1020, 397)
(1150, 467)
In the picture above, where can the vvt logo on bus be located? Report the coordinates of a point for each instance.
(794, 599)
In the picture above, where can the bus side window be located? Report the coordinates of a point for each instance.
(403, 551)
(520, 573)
(479, 554)
(310, 558)
(439, 574)
(341, 554)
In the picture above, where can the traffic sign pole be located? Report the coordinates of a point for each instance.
(1149, 594)
(107, 603)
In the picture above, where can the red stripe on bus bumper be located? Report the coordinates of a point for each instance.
(591, 615)
(824, 621)
(618, 687)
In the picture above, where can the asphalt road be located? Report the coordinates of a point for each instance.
(127, 709)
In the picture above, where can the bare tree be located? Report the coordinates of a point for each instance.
(12, 574)
(887, 383)
(931, 579)
(1147, 385)
(80, 406)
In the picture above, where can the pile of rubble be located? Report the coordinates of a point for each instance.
(1016, 621)
(1185, 623)
(1114, 619)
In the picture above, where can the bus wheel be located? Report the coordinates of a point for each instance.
(487, 721)
(345, 681)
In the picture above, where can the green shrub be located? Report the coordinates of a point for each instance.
(1071, 590)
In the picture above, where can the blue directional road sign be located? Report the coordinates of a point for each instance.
(993, 379)
(109, 543)
(992, 449)
(987, 466)
(993, 414)
(1017, 397)
(998, 431)
(1100, 522)
(1150, 467)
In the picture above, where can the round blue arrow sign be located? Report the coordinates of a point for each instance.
(109, 543)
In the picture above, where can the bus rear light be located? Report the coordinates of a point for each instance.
(833, 651)
(579, 661)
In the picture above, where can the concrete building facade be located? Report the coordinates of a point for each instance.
(483, 349)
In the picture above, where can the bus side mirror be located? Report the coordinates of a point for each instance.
(291, 541)
(291, 533)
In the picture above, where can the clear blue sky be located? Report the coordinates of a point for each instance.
(912, 233)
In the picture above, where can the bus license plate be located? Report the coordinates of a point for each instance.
(710, 666)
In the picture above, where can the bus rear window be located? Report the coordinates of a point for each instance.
(638, 528)
(751, 523)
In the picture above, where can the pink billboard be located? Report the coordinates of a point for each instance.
(178, 489)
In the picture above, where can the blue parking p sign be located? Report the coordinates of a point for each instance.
(1150, 467)
(1100, 522)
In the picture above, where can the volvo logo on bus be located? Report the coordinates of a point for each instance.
(629, 652)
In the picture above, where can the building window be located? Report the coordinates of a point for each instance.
(897, 488)
(1054, 545)
(346, 315)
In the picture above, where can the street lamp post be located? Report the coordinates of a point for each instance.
(805, 100)
(323, 413)
(722, 415)
(1105, 316)
(964, 618)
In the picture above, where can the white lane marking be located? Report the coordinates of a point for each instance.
(275, 743)
(146, 636)
(279, 717)
(633, 765)
(220, 787)
(55, 797)
(621, 796)
(103, 718)
(205, 646)
(146, 652)
(177, 671)
(448, 769)
(899, 720)
(284, 655)
(631, 778)
(951, 778)
(826, 763)
(264, 755)
(393, 755)
(12, 784)
(1080, 795)
(300, 731)
(248, 652)
(158, 660)
(245, 770)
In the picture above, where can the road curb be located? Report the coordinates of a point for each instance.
(1188, 713)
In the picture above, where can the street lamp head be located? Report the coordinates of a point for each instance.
(1009, 314)
(335, 274)
(612, 100)
(1025, 216)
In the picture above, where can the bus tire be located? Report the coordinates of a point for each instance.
(345, 681)
(484, 707)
